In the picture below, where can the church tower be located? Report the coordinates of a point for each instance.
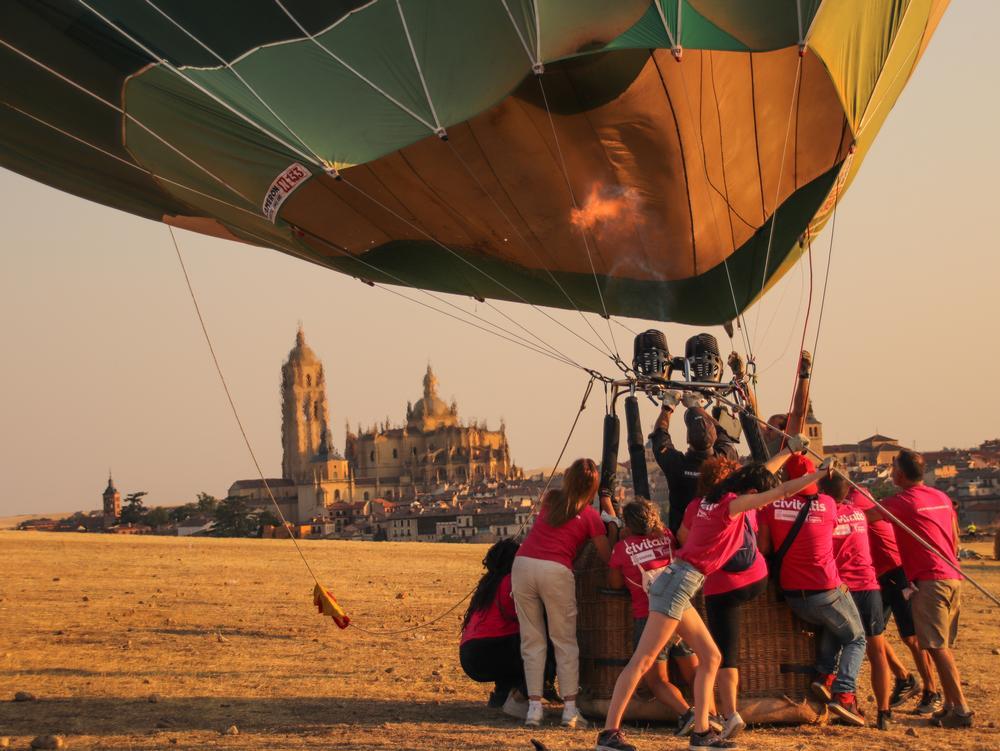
(112, 503)
(304, 412)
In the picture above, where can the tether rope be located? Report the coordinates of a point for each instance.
(267, 487)
(888, 514)
(232, 406)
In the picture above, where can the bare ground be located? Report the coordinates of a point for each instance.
(163, 643)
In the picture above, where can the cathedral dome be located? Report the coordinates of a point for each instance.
(431, 412)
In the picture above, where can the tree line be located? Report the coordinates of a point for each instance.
(233, 516)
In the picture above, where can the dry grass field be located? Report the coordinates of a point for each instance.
(164, 643)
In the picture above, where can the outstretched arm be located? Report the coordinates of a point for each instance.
(785, 489)
(800, 399)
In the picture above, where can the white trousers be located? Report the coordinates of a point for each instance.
(546, 590)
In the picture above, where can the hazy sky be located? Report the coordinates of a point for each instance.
(104, 363)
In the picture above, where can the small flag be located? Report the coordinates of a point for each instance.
(327, 604)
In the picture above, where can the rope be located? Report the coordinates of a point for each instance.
(169, 66)
(538, 257)
(232, 404)
(517, 340)
(888, 514)
(534, 506)
(777, 188)
(446, 248)
(805, 328)
(748, 348)
(83, 89)
(572, 198)
(826, 277)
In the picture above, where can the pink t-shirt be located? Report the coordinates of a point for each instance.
(713, 536)
(809, 563)
(929, 513)
(881, 536)
(851, 551)
(635, 554)
(562, 543)
(723, 581)
(497, 619)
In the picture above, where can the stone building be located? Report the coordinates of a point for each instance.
(309, 460)
(431, 450)
(112, 503)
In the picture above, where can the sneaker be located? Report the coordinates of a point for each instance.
(904, 688)
(955, 719)
(732, 727)
(884, 719)
(716, 722)
(822, 686)
(709, 740)
(929, 703)
(515, 707)
(685, 723)
(613, 740)
(939, 715)
(845, 706)
(534, 714)
(571, 718)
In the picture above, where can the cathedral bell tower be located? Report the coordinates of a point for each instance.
(304, 412)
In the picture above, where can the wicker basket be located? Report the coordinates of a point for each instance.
(996, 545)
(776, 654)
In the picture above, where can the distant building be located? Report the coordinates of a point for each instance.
(111, 504)
(431, 451)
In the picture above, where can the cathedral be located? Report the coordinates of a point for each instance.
(431, 451)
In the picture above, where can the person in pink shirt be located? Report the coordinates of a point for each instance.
(739, 581)
(716, 535)
(854, 563)
(810, 583)
(895, 591)
(936, 575)
(644, 551)
(490, 647)
(544, 586)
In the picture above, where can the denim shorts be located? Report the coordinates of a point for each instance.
(673, 590)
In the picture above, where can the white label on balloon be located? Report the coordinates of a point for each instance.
(282, 187)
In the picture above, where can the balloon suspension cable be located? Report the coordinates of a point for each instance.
(232, 404)
(576, 207)
(524, 242)
(777, 190)
(888, 514)
(545, 489)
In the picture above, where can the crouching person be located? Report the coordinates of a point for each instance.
(490, 650)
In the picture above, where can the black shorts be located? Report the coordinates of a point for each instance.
(869, 604)
(893, 582)
(722, 614)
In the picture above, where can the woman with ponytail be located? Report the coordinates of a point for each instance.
(544, 586)
(490, 650)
